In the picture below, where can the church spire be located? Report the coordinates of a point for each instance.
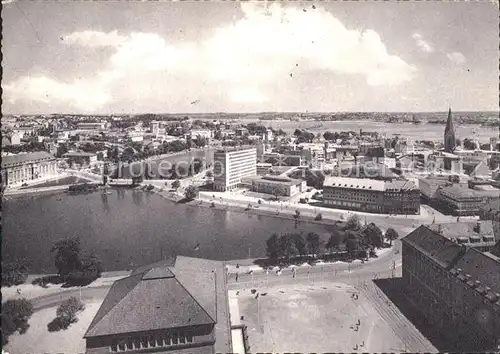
(449, 134)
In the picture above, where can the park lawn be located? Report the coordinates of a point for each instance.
(39, 340)
(303, 318)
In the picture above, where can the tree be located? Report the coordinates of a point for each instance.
(469, 144)
(318, 217)
(15, 316)
(287, 247)
(353, 222)
(61, 150)
(297, 132)
(372, 236)
(391, 235)
(67, 258)
(334, 241)
(273, 247)
(352, 244)
(299, 243)
(191, 192)
(176, 184)
(68, 309)
(313, 243)
(278, 191)
(14, 273)
(209, 174)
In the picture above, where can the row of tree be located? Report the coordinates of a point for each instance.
(356, 239)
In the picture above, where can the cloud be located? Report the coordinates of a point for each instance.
(456, 58)
(94, 38)
(422, 44)
(245, 61)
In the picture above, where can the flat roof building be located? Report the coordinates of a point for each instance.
(233, 164)
(370, 195)
(22, 168)
(276, 185)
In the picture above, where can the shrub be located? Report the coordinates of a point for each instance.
(14, 273)
(318, 217)
(58, 324)
(67, 310)
(191, 192)
(15, 316)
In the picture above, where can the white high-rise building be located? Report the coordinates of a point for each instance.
(233, 164)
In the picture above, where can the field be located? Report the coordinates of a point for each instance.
(319, 318)
(39, 340)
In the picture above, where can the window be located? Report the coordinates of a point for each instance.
(121, 346)
(144, 342)
(130, 343)
(114, 348)
(137, 342)
(189, 337)
(152, 341)
(175, 337)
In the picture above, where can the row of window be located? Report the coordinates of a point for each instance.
(152, 341)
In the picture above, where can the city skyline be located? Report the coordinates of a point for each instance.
(159, 57)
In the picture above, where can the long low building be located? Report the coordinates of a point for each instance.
(373, 196)
(22, 168)
(276, 185)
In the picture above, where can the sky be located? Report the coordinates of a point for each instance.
(115, 57)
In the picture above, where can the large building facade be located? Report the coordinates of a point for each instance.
(461, 201)
(454, 287)
(373, 196)
(231, 165)
(22, 168)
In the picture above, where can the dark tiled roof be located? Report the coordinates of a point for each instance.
(155, 299)
(12, 160)
(439, 248)
(481, 267)
(465, 229)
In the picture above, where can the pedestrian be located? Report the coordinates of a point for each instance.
(18, 291)
(236, 276)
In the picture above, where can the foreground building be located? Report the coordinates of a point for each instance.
(22, 168)
(373, 196)
(233, 164)
(456, 288)
(174, 306)
(477, 234)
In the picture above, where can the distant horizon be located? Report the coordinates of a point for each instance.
(250, 113)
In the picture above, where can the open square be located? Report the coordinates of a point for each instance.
(319, 318)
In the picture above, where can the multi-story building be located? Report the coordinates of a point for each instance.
(462, 201)
(276, 185)
(231, 165)
(81, 158)
(22, 168)
(92, 126)
(369, 195)
(174, 306)
(454, 287)
(429, 185)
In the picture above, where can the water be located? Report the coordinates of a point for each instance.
(131, 228)
(422, 131)
(184, 159)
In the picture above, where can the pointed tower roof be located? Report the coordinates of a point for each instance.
(449, 123)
